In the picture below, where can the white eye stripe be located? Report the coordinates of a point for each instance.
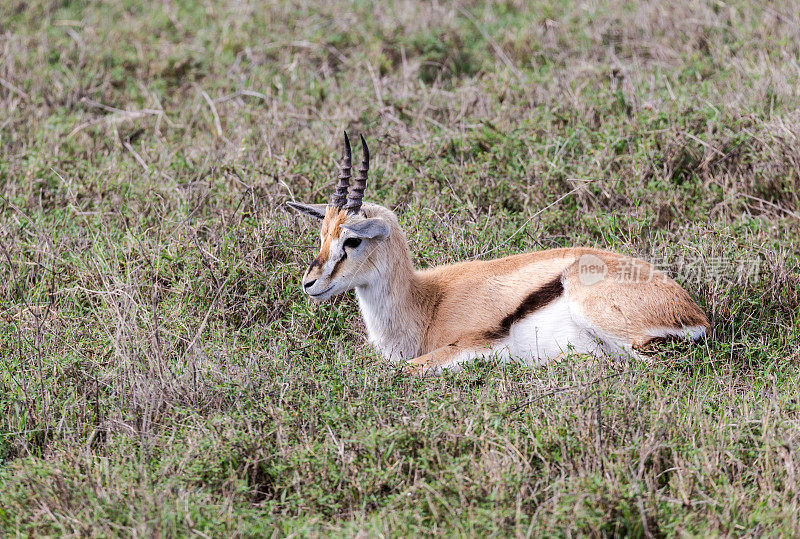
(337, 265)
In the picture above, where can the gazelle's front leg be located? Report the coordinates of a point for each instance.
(464, 349)
(434, 361)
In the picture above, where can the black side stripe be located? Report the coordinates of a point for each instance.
(536, 300)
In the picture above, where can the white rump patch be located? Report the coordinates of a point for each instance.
(690, 333)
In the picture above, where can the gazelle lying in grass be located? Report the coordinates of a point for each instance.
(532, 306)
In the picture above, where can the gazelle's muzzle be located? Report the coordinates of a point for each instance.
(314, 282)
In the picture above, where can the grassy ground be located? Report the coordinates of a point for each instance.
(161, 372)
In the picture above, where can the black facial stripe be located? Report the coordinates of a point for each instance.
(338, 264)
(313, 265)
(536, 300)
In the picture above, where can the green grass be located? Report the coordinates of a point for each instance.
(161, 372)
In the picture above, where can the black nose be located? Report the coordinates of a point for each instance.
(309, 283)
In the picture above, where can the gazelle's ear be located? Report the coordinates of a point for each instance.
(369, 229)
(317, 211)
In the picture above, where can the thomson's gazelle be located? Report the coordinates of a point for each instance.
(534, 306)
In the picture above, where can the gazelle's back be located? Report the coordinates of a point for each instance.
(604, 295)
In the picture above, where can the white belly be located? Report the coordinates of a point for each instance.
(541, 336)
(547, 334)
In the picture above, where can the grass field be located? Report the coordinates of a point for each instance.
(162, 373)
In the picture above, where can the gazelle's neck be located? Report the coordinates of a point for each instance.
(392, 306)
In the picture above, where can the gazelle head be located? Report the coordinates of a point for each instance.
(356, 238)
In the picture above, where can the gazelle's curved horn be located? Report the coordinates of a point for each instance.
(356, 195)
(342, 187)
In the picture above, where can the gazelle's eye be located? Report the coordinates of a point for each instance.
(352, 243)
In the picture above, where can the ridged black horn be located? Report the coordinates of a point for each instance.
(342, 187)
(356, 194)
